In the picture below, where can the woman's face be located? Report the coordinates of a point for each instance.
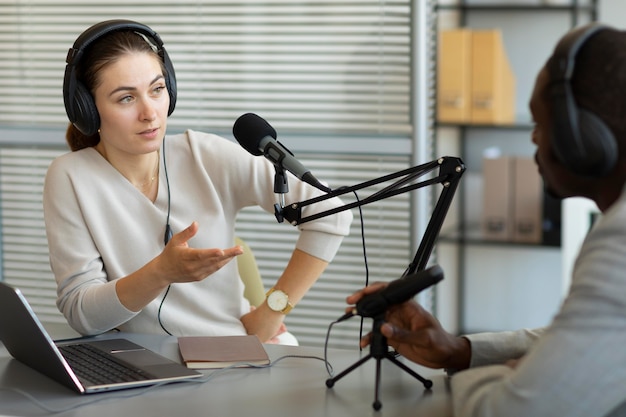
(133, 102)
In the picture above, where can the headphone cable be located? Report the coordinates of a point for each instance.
(168, 234)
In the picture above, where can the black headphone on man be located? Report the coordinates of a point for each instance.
(582, 142)
(79, 103)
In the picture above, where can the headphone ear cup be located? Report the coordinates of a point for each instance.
(599, 144)
(581, 141)
(590, 150)
(87, 118)
(565, 142)
(170, 81)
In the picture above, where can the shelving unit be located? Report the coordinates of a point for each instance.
(574, 7)
(479, 298)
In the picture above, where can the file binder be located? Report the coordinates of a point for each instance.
(454, 76)
(492, 80)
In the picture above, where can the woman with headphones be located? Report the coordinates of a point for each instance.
(135, 247)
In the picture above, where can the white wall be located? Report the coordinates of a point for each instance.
(612, 12)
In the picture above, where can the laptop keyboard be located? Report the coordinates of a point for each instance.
(99, 367)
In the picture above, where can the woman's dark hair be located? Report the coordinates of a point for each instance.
(102, 53)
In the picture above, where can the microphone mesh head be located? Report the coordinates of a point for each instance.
(249, 129)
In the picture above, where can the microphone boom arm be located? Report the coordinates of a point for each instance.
(450, 171)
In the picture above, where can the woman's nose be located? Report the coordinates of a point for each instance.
(148, 110)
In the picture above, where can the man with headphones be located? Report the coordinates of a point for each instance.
(577, 365)
(135, 247)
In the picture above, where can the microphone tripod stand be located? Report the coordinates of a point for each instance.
(450, 172)
(379, 350)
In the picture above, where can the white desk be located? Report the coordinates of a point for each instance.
(291, 387)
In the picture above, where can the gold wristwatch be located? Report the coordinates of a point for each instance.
(278, 300)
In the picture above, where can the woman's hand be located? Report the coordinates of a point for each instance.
(265, 323)
(176, 263)
(180, 263)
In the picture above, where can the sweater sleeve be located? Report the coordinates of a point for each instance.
(497, 348)
(85, 296)
(246, 180)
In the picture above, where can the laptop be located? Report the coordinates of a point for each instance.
(125, 364)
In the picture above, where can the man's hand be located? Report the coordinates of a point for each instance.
(417, 335)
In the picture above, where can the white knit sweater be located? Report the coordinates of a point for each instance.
(101, 228)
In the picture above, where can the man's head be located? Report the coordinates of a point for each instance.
(579, 107)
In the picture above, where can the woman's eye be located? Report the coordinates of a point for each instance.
(126, 99)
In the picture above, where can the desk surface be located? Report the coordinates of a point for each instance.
(294, 386)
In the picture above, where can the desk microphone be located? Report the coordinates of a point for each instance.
(397, 292)
(258, 137)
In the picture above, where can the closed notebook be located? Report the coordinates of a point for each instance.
(204, 352)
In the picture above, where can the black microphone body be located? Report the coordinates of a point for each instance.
(398, 291)
(256, 136)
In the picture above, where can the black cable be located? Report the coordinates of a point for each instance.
(367, 270)
(159, 312)
(168, 233)
(168, 229)
(367, 274)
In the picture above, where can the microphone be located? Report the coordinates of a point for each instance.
(397, 292)
(258, 137)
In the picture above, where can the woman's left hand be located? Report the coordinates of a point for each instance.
(265, 323)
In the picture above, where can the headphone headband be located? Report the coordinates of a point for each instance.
(79, 103)
(563, 58)
(580, 139)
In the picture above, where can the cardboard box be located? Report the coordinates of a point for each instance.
(515, 205)
(497, 216)
(527, 201)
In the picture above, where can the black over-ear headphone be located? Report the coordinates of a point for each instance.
(582, 142)
(79, 103)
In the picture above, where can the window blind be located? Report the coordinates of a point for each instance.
(330, 67)
(25, 261)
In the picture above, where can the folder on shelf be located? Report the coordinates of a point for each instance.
(453, 76)
(527, 201)
(497, 215)
(492, 80)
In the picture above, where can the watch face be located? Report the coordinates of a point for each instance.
(277, 300)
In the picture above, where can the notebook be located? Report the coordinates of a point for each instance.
(71, 363)
(203, 352)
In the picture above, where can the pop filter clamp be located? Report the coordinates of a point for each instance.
(450, 171)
